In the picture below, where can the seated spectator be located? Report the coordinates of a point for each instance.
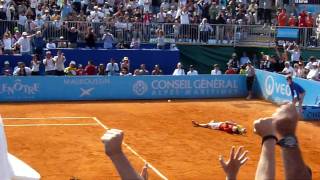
(108, 40)
(287, 70)
(101, 70)
(35, 65)
(161, 40)
(80, 71)
(112, 68)
(314, 72)
(143, 70)
(6, 70)
(59, 61)
(62, 43)
(90, 38)
(49, 65)
(179, 70)
(157, 70)
(71, 70)
(51, 44)
(125, 63)
(135, 43)
(301, 72)
(7, 43)
(125, 72)
(234, 62)
(136, 72)
(230, 70)
(22, 70)
(309, 66)
(243, 70)
(216, 70)
(192, 71)
(90, 69)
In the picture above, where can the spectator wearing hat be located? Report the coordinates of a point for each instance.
(6, 70)
(179, 71)
(234, 62)
(314, 72)
(112, 68)
(62, 43)
(216, 70)
(71, 70)
(24, 43)
(49, 65)
(192, 71)
(156, 70)
(46, 16)
(35, 65)
(125, 63)
(108, 40)
(287, 70)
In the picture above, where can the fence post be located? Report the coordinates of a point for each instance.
(235, 36)
(305, 38)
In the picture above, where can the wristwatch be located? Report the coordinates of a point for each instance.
(288, 142)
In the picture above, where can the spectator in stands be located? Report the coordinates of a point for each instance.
(108, 40)
(292, 20)
(51, 44)
(287, 70)
(295, 52)
(59, 61)
(205, 29)
(71, 70)
(143, 70)
(135, 43)
(308, 66)
(216, 70)
(62, 43)
(112, 68)
(90, 69)
(90, 38)
(125, 72)
(73, 34)
(179, 70)
(80, 71)
(160, 39)
(24, 43)
(264, 62)
(112, 140)
(282, 18)
(7, 42)
(244, 59)
(318, 27)
(157, 70)
(101, 70)
(48, 63)
(300, 72)
(192, 71)
(243, 70)
(6, 70)
(234, 62)
(250, 73)
(314, 72)
(230, 70)
(35, 65)
(125, 63)
(66, 9)
(38, 43)
(22, 70)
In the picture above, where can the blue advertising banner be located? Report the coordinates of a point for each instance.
(274, 87)
(118, 87)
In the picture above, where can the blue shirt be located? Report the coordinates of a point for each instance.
(296, 89)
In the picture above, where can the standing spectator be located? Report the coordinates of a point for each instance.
(6, 70)
(35, 66)
(157, 70)
(38, 43)
(161, 16)
(205, 29)
(292, 20)
(125, 63)
(192, 71)
(244, 59)
(71, 70)
(80, 71)
(38, 22)
(135, 43)
(7, 42)
(49, 65)
(143, 70)
(90, 38)
(160, 39)
(314, 72)
(101, 70)
(59, 61)
(295, 52)
(301, 73)
(73, 37)
(108, 40)
(24, 43)
(234, 62)
(90, 69)
(282, 18)
(184, 21)
(179, 70)
(216, 70)
(287, 70)
(22, 21)
(318, 27)
(267, 6)
(230, 70)
(112, 68)
(302, 19)
(66, 9)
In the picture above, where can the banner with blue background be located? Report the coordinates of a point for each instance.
(45, 88)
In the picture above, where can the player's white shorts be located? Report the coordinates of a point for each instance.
(214, 125)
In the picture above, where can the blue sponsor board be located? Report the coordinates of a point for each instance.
(274, 87)
(117, 87)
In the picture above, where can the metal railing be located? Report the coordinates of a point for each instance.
(213, 34)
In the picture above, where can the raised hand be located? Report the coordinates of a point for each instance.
(285, 120)
(264, 127)
(236, 160)
(112, 140)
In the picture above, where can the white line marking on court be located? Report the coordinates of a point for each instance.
(33, 125)
(134, 152)
(46, 118)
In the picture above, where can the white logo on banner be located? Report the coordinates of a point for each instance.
(19, 88)
(269, 85)
(86, 92)
(140, 88)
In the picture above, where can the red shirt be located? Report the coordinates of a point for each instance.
(230, 71)
(309, 21)
(226, 127)
(90, 70)
(292, 21)
(302, 19)
(282, 19)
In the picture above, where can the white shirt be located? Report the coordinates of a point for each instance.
(112, 68)
(7, 43)
(184, 18)
(22, 20)
(216, 72)
(178, 72)
(192, 73)
(51, 45)
(49, 64)
(24, 43)
(313, 74)
(288, 70)
(27, 69)
(59, 64)
(33, 3)
(295, 55)
(35, 66)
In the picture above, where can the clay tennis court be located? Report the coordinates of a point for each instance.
(62, 140)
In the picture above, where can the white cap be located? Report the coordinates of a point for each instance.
(73, 62)
(315, 64)
(6, 62)
(24, 34)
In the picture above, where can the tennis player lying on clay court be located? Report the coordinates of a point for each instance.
(227, 126)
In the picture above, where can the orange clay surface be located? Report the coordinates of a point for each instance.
(161, 132)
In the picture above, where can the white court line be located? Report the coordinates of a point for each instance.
(134, 152)
(34, 125)
(47, 118)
